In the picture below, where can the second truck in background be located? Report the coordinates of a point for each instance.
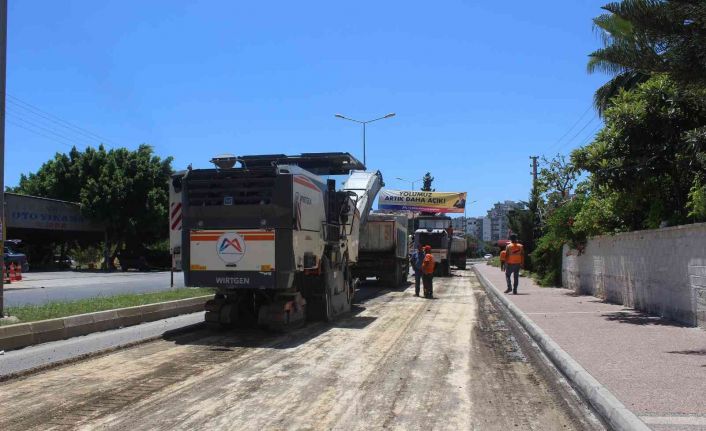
(458, 252)
(383, 249)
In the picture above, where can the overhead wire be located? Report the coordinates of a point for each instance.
(38, 133)
(51, 130)
(592, 134)
(581, 117)
(54, 123)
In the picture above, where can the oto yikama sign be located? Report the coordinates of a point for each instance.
(437, 202)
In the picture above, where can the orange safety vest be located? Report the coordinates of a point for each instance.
(502, 256)
(428, 264)
(514, 254)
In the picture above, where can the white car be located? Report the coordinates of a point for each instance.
(488, 256)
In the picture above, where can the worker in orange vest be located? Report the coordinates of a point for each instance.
(514, 260)
(502, 260)
(428, 272)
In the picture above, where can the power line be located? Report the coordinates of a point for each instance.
(57, 120)
(590, 135)
(573, 126)
(37, 133)
(51, 130)
(578, 133)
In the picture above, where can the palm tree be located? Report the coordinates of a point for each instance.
(620, 49)
(644, 37)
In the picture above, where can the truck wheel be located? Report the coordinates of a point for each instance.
(396, 279)
(404, 272)
(462, 264)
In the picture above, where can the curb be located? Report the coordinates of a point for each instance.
(21, 335)
(606, 404)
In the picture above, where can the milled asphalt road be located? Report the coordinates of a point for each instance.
(396, 361)
(41, 287)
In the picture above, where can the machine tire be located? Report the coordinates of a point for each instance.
(349, 281)
(462, 264)
(327, 306)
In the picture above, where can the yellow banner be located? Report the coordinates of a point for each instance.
(437, 202)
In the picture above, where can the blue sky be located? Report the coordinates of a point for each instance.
(477, 88)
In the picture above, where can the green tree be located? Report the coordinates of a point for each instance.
(649, 153)
(125, 190)
(426, 183)
(555, 182)
(558, 231)
(553, 188)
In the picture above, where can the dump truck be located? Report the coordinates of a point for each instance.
(438, 240)
(435, 231)
(458, 252)
(275, 239)
(383, 249)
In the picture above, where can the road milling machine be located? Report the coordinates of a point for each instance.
(274, 238)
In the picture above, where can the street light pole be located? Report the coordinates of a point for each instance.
(410, 181)
(3, 62)
(364, 162)
(390, 115)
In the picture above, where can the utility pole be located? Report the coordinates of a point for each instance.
(534, 167)
(3, 63)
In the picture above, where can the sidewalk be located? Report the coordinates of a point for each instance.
(656, 368)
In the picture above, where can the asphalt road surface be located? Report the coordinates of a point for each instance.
(42, 287)
(397, 361)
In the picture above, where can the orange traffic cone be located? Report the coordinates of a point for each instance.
(13, 277)
(18, 273)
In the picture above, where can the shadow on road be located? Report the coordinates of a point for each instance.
(228, 339)
(638, 318)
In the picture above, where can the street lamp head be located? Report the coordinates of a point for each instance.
(390, 115)
(339, 116)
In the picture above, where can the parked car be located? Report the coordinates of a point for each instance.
(129, 260)
(488, 256)
(144, 260)
(64, 262)
(11, 255)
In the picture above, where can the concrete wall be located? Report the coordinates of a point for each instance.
(660, 271)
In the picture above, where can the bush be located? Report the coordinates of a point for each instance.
(494, 261)
(560, 230)
(86, 256)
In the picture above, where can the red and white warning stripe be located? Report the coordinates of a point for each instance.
(175, 216)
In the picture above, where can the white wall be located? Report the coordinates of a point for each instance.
(660, 271)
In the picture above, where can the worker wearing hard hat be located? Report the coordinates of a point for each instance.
(416, 260)
(514, 260)
(428, 272)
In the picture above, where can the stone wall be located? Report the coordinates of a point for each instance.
(660, 271)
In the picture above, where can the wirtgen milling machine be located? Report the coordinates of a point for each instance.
(275, 239)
